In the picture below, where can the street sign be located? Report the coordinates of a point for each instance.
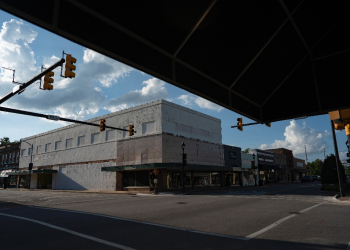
(53, 117)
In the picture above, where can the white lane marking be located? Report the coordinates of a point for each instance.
(307, 209)
(71, 232)
(253, 235)
(146, 223)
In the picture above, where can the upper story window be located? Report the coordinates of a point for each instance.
(23, 151)
(81, 140)
(38, 149)
(110, 135)
(29, 151)
(58, 145)
(69, 143)
(48, 147)
(232, 155)
(148, 127)
(2, 159)
(125, 133)
(95, 138)
(17, 156)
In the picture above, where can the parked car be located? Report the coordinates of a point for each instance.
(315, 177)
(306, 178)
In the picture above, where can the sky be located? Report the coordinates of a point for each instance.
(103, 85)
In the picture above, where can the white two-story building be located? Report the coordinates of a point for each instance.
(81, 157)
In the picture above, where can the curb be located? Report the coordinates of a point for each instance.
(336, 196)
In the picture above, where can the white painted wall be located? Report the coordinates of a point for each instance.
(103, 149)
(84, 177)
(148, 119)
(178, 120)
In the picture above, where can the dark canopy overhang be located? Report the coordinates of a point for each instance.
(268, 60)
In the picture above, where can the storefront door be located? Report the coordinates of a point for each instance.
(44, 181)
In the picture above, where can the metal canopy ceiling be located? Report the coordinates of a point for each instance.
(267, 60)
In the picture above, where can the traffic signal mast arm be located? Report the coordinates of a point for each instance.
(248, 124)
(55, 118)
(20, 88)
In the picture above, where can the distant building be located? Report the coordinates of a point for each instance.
(81, 157)
(233, 161)
(289, 160)
(9, 162)
(299, 168)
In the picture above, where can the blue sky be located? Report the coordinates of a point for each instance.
(103, 85)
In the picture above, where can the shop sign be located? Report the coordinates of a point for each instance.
(265, 157)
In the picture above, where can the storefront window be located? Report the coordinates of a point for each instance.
(215, 178)
(232, 178)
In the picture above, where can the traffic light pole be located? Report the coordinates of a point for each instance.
(337, 162)
(248, 124)
(54, 117)
(20, 88)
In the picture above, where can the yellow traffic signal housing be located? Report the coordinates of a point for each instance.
(131, 130)
(48, 81)
(240, 123)
(268, 124)
(102, 125)
(69, 66)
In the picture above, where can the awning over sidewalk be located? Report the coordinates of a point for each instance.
(41, 171)
(301, 170)
(269, 167)
(169, 166)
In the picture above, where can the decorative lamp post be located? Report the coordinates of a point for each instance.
(30, 164)
(255, 170)
(183, 167)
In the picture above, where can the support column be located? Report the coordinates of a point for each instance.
(119, 180)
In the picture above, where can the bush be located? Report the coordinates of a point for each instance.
(330, 188)
(329, 172)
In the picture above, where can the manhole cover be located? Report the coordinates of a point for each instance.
(181, 203)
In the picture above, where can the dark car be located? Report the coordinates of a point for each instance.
(314, 177)
(306, 178)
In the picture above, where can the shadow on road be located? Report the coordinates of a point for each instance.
(18, 233)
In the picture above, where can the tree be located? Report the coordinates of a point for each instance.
(4, 140)
(315, 167)
(329, 172)
(246, 151)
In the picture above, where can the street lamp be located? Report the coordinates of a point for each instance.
(183, 167)
(30, 164)
(291, 170)
(253, 164)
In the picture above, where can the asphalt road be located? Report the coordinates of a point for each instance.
(290, 216)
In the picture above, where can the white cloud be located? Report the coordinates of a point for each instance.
(70, 98)
(115, 69)
(297, 137)
(154, 90)
(188, 100)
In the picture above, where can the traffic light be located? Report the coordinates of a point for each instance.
(48, 81)
(131, 130)
(69, 66)
(240, 123)
(268, 124)
(102, 125)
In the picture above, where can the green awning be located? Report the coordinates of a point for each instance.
(169, 166)
(25, 172)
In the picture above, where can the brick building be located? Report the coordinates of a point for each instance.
(9, 162)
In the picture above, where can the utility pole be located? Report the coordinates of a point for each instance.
(305, 155)
(337, 161)
(324, 152)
